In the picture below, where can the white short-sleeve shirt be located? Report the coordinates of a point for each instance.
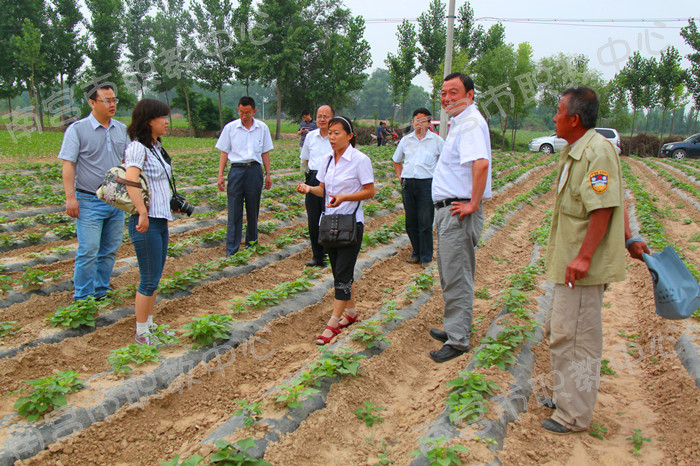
(419, 156)
(468, 140)
(315, 149)
(245, 145)
(347, 176)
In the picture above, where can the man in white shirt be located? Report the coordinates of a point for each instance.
(316, 148)
(462, 179)
(246, 143)
(414, 161)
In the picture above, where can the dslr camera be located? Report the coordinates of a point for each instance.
(178, 202)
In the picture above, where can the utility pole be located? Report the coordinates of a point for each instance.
(448, 60)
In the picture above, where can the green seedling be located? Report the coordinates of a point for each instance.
(483, 293)
(121, 358)
(468, 397)
(5, 283)
(382, 457)
(369, 413)
(440, 454)
(46, 394)
(605, 368)
(206, 329)
(235, 454)
(598, 431)
(637, 440)
(35, 277)
(293, 394)
(76, 314)
(370, 334)
(251, 412)
(8, 328)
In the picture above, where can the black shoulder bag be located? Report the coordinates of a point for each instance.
(337, 230)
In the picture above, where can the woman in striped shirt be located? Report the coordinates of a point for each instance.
(149, 228)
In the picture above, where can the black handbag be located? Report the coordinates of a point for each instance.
(337, 230)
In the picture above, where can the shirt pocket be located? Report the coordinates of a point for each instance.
(572, 204)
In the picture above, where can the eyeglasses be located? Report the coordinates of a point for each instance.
(247, 114)
(109, 101)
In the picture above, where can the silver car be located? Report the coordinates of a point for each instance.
(552, 143)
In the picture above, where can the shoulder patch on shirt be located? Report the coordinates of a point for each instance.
(599, 180)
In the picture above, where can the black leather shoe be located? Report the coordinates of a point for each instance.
(315, 263)
(446, 353)
(547, 403)
(439, 335)
(554, 427)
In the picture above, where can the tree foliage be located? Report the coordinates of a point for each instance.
(402, 66)
(139, 47)
(671, 80)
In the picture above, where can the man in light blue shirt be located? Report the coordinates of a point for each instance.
(246, 143)
(92, 146)
(414, 161)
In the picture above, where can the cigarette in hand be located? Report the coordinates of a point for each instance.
(569, 285)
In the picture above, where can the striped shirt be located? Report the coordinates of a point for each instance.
(156, 174)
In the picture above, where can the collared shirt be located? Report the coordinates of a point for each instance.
(347, 176)
(590, 178)
(381, 132)
(94, 149)
(304, 125)
(419, 156)
(316, 148)
(468, 140)
(245, 145)
(157, 174)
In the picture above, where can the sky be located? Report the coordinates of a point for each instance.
(606, 44)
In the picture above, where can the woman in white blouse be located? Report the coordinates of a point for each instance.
(346, 179)
(149, 228)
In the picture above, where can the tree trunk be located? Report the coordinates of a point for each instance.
(503, 133)
(221, 115)
(9, 106)
(514, 133)
(646, 128)
(663, 117)
(673, 118)
(403, 109)
(247, 85)
(61, 117)
(41, 110)
(634, 116)
(170, 115)
(189, 112)
(279, 111)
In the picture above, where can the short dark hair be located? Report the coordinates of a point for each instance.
(466, 80)
(145, 111)
(422, 110)
(583, 102)
(246, 100)
(305, 112)
(347, 126)
(91, 90)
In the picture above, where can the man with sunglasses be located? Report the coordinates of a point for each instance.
(90, 147)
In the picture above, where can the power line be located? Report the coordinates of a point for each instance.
(577, 22)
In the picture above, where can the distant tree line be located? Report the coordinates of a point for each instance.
(308, 52)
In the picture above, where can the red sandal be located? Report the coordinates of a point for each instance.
(326, 340)
(351, 320)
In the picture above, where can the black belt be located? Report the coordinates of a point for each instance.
(448, 202)
(244, 164)
(84, 191)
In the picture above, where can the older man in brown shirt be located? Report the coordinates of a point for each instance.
(586, 252)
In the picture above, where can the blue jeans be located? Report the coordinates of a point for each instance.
(244, 186)
(151, 250)
(100, 229)
(420, 212)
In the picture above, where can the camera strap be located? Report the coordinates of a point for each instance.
(171, 178)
